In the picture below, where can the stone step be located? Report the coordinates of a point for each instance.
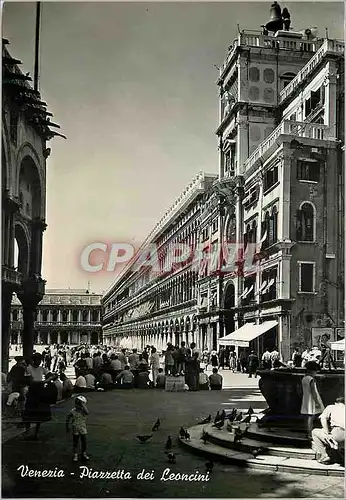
(223, 438)
(278, 435)
(273, 463)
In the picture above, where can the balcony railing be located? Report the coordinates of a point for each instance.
(328, 46)
(287, 127)
(257, 39)
(11, 275)
(67, 323)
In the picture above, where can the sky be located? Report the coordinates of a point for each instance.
(133, 87)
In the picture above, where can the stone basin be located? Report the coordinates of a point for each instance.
(282, 391)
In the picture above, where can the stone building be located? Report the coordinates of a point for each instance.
(281, 182)
(270, 227)
(63, 316)
(158, 304)
(25, 132)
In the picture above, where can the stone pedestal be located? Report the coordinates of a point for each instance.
(282, 391)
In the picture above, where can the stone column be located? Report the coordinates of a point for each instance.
(59, 337)
(30, 295)
(49, 338)
(6, 299)
(38, 226)
(284, 337)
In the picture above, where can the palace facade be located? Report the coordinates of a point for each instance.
(62, 317)
(157, 304)
(26, 128)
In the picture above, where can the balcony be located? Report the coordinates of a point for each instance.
(257, 39)
(296, 129)
(11, 275)
(328, 46)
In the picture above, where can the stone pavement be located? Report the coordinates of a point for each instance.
(115, 420)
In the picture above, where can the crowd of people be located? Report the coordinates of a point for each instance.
(33, 385)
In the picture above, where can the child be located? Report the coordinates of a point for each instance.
(78, 417)
(312, 403)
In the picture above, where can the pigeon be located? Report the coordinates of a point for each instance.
(209, 466)
(144, 439)
(217, 417)
(169, 443)
(246, 419)
(182, 432)
(223, 415)
(156, 426)
(204, 437)
(171, 458)
(205, 421)
(232, 415)
(239, 417)
(258, 451)
(219, 424)
(187, 436)
(250, 411)
(238, 435)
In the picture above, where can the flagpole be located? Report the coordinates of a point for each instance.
(37, 44)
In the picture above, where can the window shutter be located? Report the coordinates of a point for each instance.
(299, 232)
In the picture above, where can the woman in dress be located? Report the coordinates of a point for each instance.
(312, 404)
(41, 395)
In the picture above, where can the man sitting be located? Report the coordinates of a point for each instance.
(125, 378)
(215, 380)
(80, 383)
(332, 434)
(90, 381)
(203, 380)
(161, 379)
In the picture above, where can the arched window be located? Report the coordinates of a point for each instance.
(64, 316)
(306, 222)
(75, 316)
(15, 315)
(55, 315)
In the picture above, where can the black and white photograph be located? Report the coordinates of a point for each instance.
(173, 249)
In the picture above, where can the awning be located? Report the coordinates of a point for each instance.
(338, 346)
(231, 338)
(246, 333)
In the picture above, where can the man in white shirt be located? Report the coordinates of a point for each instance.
(266, 360)
(332, 433)
(155, 364)
(274, 356)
